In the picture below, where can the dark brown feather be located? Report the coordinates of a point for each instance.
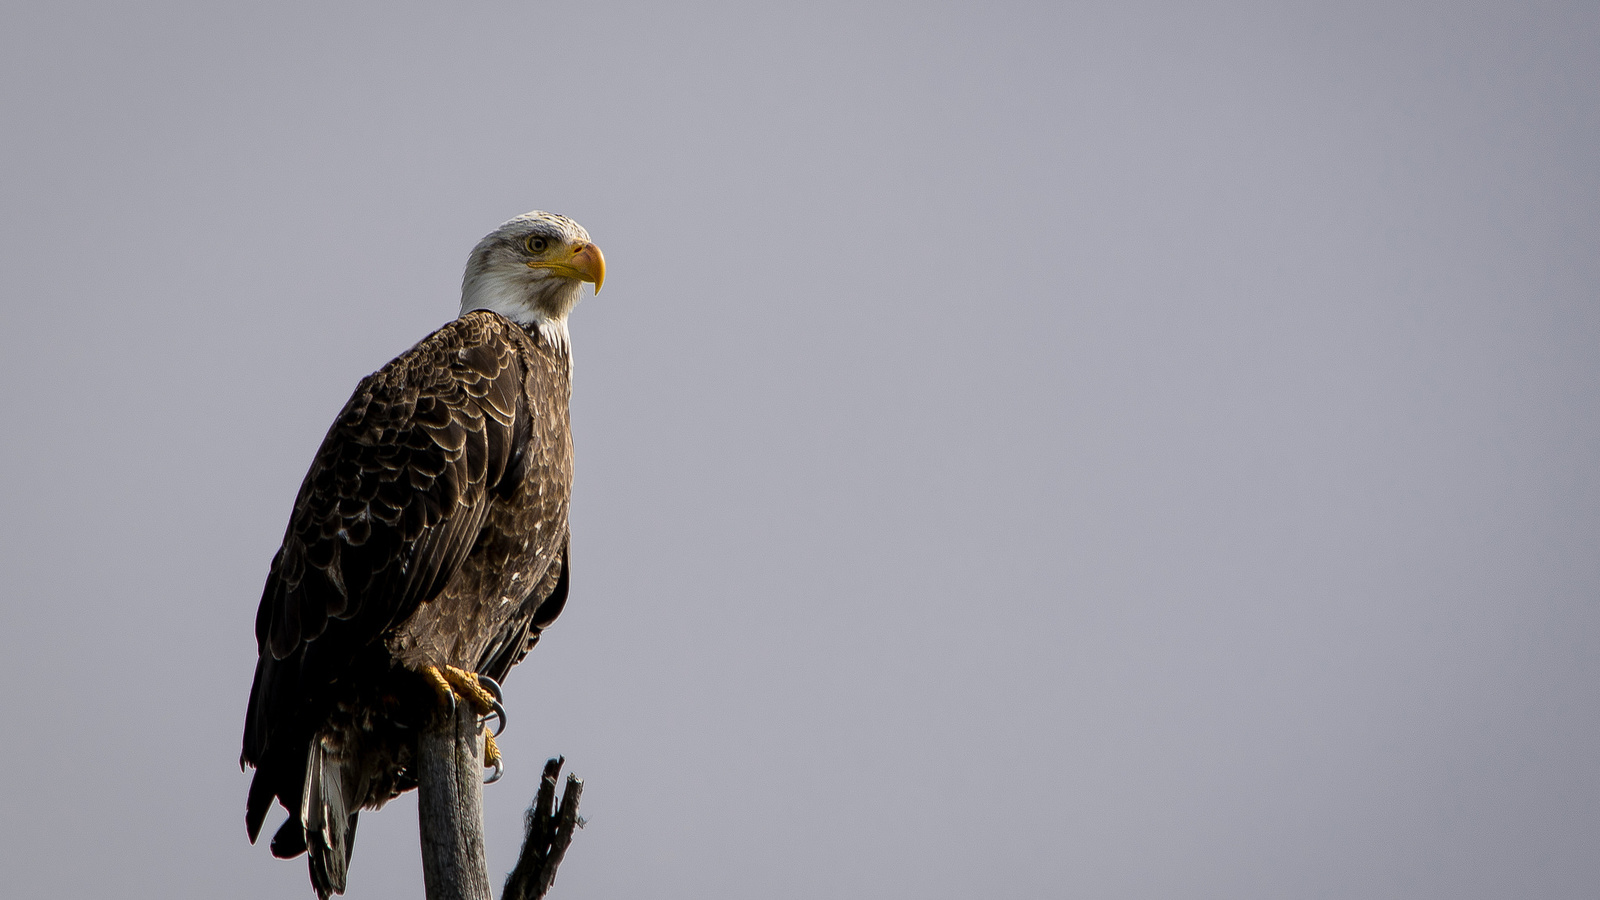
(431, 529)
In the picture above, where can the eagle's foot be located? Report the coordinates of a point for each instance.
(491, 757)
(480, 691)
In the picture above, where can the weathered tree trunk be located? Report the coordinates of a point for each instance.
(450, 808)
(450, 818)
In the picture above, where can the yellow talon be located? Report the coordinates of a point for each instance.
(452, 683)
(467, 687)
(435, 679)
(491, 757)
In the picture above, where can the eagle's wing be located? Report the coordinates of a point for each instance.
(392, 505)
(514, 644)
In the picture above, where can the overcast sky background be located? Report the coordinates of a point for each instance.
(1038, 450)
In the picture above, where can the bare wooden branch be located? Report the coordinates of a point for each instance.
(450, 817)
(450, 808)
(546, 837)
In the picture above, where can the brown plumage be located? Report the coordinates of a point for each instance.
(431, 530)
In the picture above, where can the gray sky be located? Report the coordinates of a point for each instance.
(1109, 450)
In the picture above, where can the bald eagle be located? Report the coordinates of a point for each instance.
(427, 549)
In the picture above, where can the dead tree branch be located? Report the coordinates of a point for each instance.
(547, 832)
(450, 808)
(450, 817)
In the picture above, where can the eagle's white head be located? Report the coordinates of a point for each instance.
(530, 270)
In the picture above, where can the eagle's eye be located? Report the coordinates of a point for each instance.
(536, 244)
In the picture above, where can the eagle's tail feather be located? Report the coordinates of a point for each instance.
(328, 817)
(290, 839)
(256, 806)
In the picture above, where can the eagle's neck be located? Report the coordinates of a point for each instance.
(536, 303)
(554, 333)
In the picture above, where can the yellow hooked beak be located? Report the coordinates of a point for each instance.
(584, 262)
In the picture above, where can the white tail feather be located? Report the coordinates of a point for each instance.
(326, 814)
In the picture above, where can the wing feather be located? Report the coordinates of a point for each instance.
(393, 503)
(546, 602)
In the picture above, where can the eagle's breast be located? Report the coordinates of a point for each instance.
(513, 565)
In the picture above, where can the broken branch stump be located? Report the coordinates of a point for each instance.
(450, 817)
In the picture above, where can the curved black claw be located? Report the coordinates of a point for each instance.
(499, 769)
(490, 685)
(498, 711)
(498, 708)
